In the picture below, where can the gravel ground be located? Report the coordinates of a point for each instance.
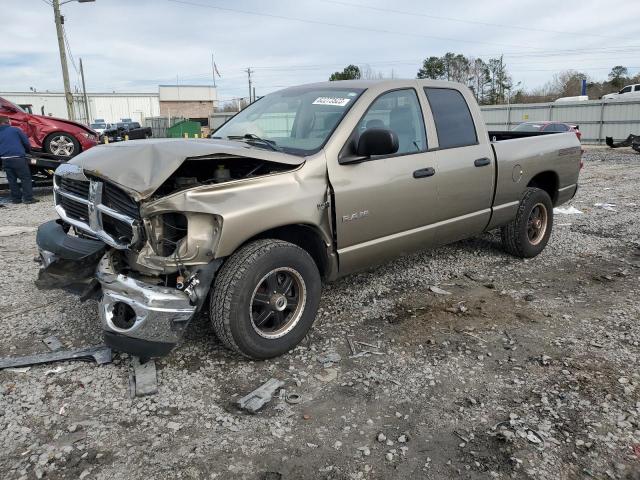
(528, 369)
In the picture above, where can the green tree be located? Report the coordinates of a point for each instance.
(479, 78)
(433, 68)
(499, 80)
(350, 72)
(618, 76)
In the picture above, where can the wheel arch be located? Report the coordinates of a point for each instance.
(547, 181)
(307, 237)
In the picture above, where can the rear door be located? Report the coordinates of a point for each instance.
(466, 166)
(384, 204)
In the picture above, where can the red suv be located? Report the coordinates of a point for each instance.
(51, 135)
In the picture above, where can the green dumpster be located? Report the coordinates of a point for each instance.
(182, 128)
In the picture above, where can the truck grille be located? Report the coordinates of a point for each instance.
(100, 208)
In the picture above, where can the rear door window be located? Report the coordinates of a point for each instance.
(452, 117)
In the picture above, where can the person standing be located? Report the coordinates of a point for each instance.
(14, 146)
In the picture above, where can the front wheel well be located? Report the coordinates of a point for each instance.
(547, 181)
(304, 236)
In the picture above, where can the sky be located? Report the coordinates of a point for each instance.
(135, 45)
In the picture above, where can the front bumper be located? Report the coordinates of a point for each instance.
(138, 317)
(140, 312)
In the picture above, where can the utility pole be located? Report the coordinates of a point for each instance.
(249, 72)
(59, 19)
(84, 93)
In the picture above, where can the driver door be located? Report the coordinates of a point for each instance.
(384, 205)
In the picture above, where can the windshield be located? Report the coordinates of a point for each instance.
(529, 127)
(98, 125)
(296, 120)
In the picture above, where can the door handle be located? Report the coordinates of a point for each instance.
(482, 162)
(424, 172)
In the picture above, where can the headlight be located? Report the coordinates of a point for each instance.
(90, 136)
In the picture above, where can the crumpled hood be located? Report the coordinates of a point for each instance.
(141, 166)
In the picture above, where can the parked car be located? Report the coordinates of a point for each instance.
(132, 130)
(548, 126)
(100, 127)
(630, 92)
(306, 185)
(55, 136)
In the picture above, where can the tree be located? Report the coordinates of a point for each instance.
(367, 73)
(499, 80)
(568, 83)
(433, 68)
(618, 76)
(350, 72)
(478, 78)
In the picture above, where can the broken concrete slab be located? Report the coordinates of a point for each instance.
(101, 354)
(260, 396)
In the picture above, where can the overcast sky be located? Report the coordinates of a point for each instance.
(134, 45)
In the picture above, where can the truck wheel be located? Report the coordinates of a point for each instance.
(528, 234)
(265, 298)
(61, 144)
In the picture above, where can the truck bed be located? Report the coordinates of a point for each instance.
(500, 135)
(521, 156)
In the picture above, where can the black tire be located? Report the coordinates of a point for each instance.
(62, 144)
(521, 237)
(240, 290)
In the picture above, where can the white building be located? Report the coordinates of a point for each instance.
(110, 106)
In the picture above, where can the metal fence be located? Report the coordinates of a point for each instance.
(597, 118)
(159, 125)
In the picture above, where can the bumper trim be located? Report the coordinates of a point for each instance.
(136, 346)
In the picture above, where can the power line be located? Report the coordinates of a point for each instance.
(66, 41)
(330, 24)
(475, 22)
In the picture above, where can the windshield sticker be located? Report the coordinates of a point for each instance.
(336, 101)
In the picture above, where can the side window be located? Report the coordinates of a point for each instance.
(626, 89)
(398, 111)
(561, 127)
(636, 88)
(452, 118)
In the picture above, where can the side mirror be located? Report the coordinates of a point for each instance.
(377, 141)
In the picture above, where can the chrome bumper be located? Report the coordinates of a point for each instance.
(156, 314)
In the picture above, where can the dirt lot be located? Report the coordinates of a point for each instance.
(527, 369)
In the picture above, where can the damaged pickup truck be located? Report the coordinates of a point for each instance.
(303, 186)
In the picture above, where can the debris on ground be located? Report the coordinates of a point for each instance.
(260, 396)
(53, 343)
(568, 210)
(327, 375)
(143, 379)
(100, 354)
(611, 207)
(329, 358)
(438, 290)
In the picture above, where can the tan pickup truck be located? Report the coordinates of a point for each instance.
(303, 186)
